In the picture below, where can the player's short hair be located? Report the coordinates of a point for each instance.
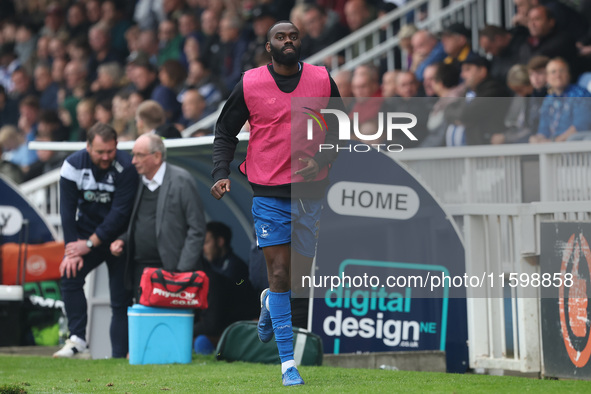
(279, 23)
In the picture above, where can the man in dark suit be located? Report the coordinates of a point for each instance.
(167, 225)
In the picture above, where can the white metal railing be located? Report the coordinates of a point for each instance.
(512, 173)
(473, 13)
(498, 196)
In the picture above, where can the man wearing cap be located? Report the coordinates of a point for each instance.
(456, 43)
(483, 118)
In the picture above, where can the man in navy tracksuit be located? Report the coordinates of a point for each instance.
(97, 190)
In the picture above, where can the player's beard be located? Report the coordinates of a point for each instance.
(287, 59)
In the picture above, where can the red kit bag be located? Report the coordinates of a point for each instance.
(165, 289)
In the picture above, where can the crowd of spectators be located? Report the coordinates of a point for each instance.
(66, 64)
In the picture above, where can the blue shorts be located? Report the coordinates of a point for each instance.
(279, 221)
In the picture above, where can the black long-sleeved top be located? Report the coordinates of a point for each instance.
(235, 113)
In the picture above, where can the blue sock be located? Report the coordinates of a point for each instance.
(280, 310)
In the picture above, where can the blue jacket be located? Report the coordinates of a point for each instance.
(435, 56)
(571, 108)
(103, 198)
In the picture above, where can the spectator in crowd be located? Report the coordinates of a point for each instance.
(188, 24)
(8, 63)
(343, 82)
(545, 38)
(93, 11)
(172, 75)
(567, 18)
(169, 41)
(8, 30)
(108, 81)
(536, 69)
(28, 124)
(524, 112)
(76, 22)
(389, 83)
(41, 51)
(13, 147)
(405, 36)
(148, 14)
(143, 76)
(504, 47)
(357, 15)
(103, 112)
(428, 78)
(209, 28)
(322, 28)
(407, 90)
(50, 126)
(123, 121)
(8, 109)
(567, 108)
(173, 9)
(193, 107)
(97, 189)
(151, 119)
(58, 47)
(167, 225)
(201, 78)
(10, 140)
(456, 44)
(112, 17)
(49, 160)
(191, 50)
(100, 42)
(231, 297)
(366, 90)
(148, 44)
(58, 67)
(45, 87)
(149, 116)
(85, 118)
(485, 108)
(262, 20)
(54, 21)
(227, 62)
(296, 16)
(25, 43)
(426, 50)
(440, 123)
(78, 49)
(75, 89)
(132, 38)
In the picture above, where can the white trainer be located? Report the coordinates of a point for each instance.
(74, 348)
